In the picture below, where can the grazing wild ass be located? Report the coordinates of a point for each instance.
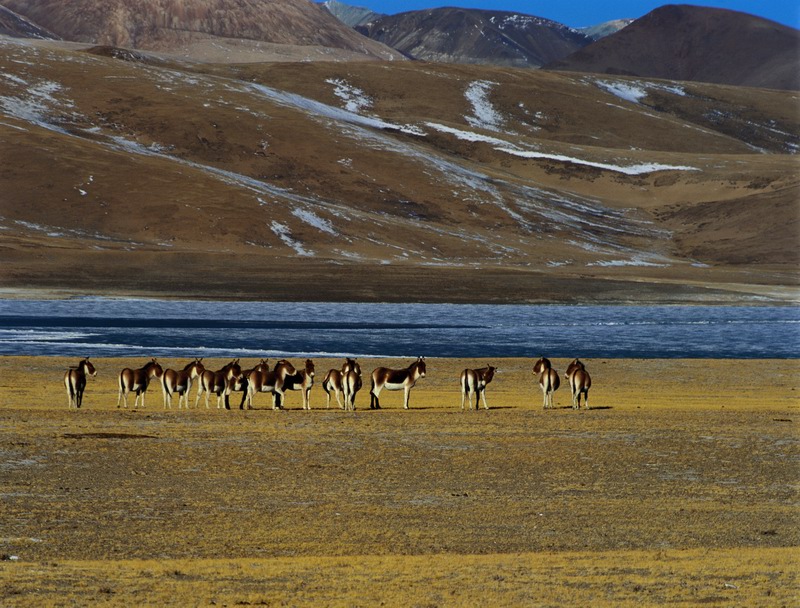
(301, 380)
(238, 382)
(137, 381)
(473, 382)
(180, 382)
(395, 380)
(580, 382)
(215, 382)
(269, 382)
(334, 381)
(548, 381)
(75, 381)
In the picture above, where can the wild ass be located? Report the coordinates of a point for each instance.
(473, 382)
(351, 383)
(137, 381)
(238, 383)
(180, 382)
(215, 382)
(548, 381)
(301, 380)
(580, 382)
(334, 381)
(269, 382)
(75, 381)
(395, 380)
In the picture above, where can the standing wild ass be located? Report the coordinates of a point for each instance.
(180, 382)
(215, 382)
(548, 381)
(269, 382)
(580, 382)
(301, 380)
(75, 381)
(334, 381)
(473, 382)
(395, 380)
(137, 381)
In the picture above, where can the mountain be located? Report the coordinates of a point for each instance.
(168, 25)
(601, 30)
(681, 42)
(351, 15)
(17, 26)
(455, 35)
(390, 181)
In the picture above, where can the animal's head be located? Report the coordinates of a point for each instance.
(310, 367)
(88, 368)
(489, 374)
(421, 366)
(543, 364)
(351, 365)
(154, 368)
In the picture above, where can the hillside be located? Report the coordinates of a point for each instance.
(601, 30)
(681, 42)
(17, 26)
(172, 26)
(390, 181)
(455, 35)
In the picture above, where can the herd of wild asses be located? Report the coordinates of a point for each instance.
(343, 383)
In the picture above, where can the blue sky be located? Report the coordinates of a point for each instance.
(585, 12)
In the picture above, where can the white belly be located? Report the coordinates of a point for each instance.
(394, 386)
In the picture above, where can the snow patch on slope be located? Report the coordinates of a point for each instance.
(484, 115)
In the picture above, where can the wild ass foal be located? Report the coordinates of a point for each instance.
(215, 382)
(580, 382)
(75, 381)
(334, 381)
(301, 380)
(180, 382)
(548, 381)
(473, 382)
(395, 380)
(137, 381)
(268, 382)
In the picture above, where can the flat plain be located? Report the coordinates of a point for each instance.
(679, 485)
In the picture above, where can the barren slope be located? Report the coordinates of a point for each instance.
(389, 181)
(176, 25)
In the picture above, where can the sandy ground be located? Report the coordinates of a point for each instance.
(678, 486)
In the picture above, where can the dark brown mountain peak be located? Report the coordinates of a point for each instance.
(684, 42)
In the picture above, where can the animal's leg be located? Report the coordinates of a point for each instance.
(199, 392)
(406, 395)
(483, 395)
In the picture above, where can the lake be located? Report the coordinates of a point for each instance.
(106, 327)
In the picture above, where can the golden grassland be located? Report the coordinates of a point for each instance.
(678, 486)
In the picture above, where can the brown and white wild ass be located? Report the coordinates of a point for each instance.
(301, 380)
(473, 382)
(351, 383)
(334, 381)
(137, 381)
(580, 382)
(238, 383)
(75, 381)
(548, 381)
(215, 382)
(269, 382)
(180, 382)
(395, 380)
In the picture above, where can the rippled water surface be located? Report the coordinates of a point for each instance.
(123, 327)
